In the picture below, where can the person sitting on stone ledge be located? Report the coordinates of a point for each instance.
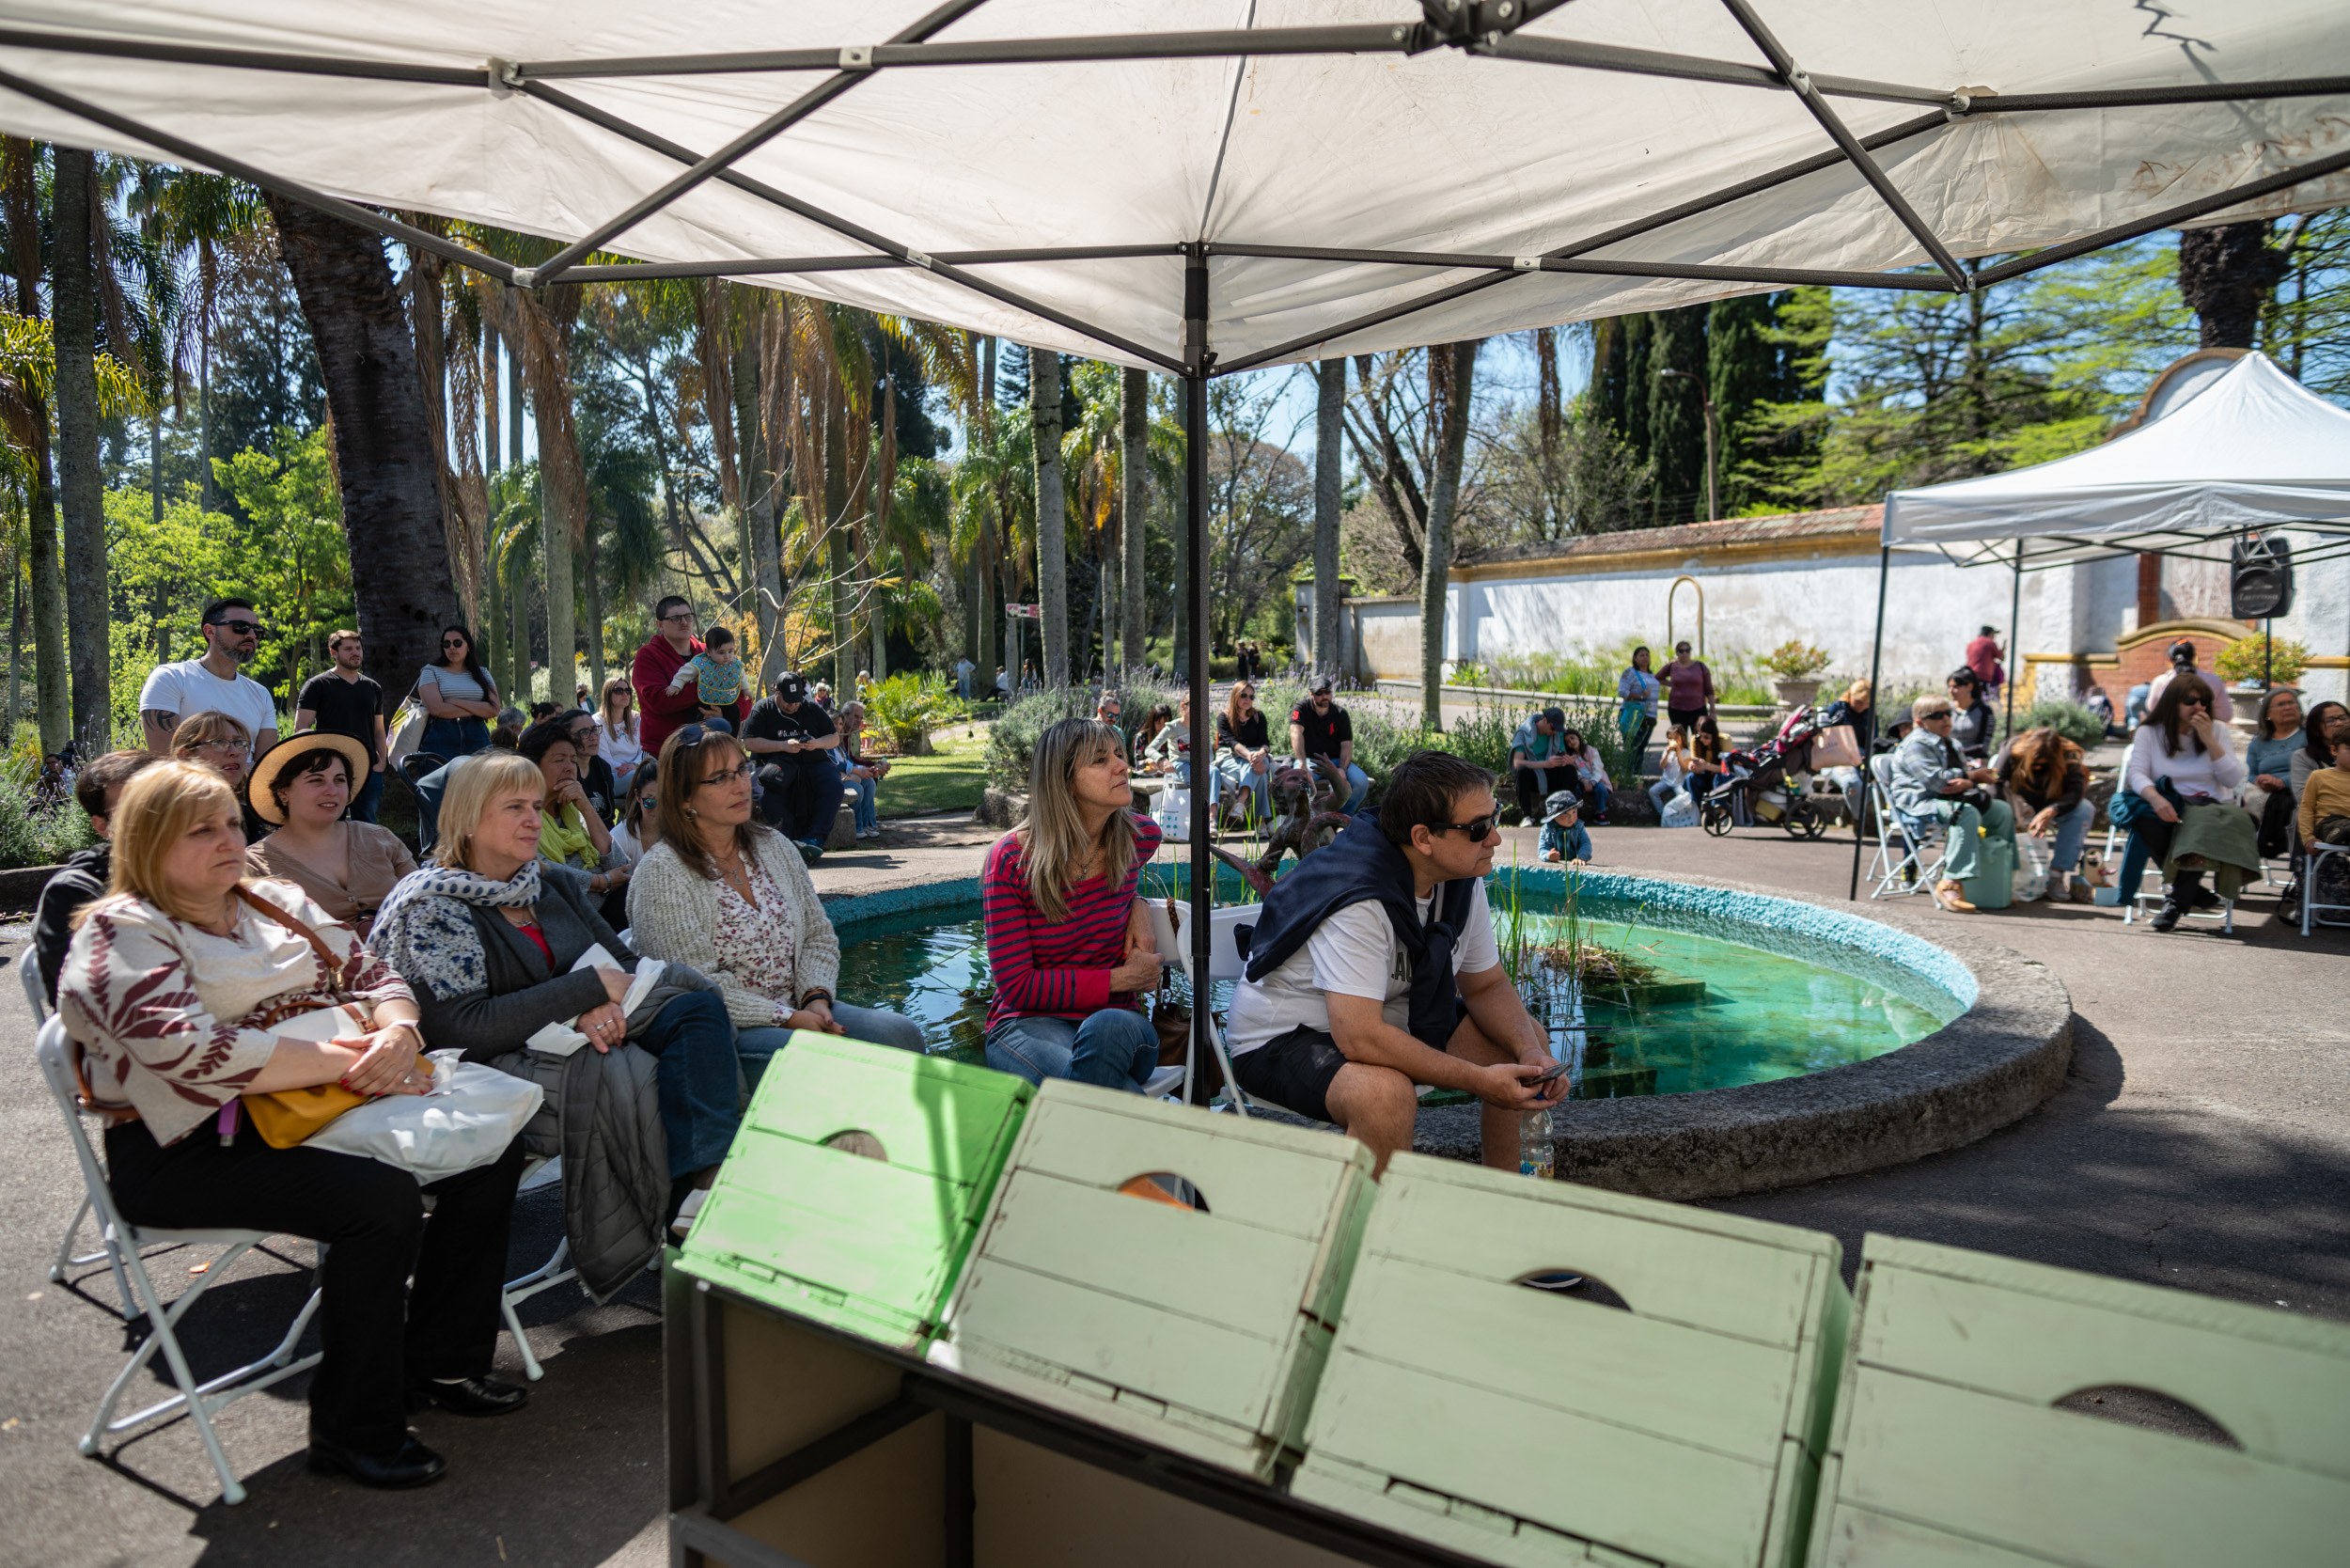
(1364, 950)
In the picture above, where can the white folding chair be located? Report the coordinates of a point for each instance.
(1918, 864)
(2134, 901)
(123, 1244)
(2313, 857)
(555, 1271)
(38, 999)
(1224, 964)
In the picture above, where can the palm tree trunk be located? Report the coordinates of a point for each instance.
(562, 630)
(16, 648)
(73, 286)
(1436, 554)
(384, 464)
(1134, 505)
(1329, 431)
(836, 525)
(595, 617)
(1052, 514)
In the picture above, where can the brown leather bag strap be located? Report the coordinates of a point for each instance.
(330, 968)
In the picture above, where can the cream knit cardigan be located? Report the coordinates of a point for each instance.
(673, 909)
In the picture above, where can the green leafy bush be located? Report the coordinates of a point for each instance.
(1011, 739)
(2069, 719)
(1796, 660)
(2247, 659)
(906, 707)
(33, 835)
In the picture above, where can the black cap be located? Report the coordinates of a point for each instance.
(791, 688)
(1558, 717)
(1321, 683)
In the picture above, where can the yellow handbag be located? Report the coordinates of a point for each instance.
(287, 1117)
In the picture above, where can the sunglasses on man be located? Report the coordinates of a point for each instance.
(239, 628)
(1478, 828)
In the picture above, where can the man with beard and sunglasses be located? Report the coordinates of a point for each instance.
(1321, 737)
(175, 693)
(1364, 951)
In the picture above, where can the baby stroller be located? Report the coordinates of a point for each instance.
(1771, 784)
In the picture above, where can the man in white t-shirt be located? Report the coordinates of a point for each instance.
(231, 631)
(1333, 1030)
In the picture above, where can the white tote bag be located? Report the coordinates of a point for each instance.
(467, 1118)
(1174, 816)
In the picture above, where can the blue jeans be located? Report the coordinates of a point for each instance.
(1357, 786)
(1661, 792)
(865, 807)
(1116, 1048)
(757, 1048)
(1234, 774)
(700, 1079)
(363, 808)
(453, 738)
(2072, 832)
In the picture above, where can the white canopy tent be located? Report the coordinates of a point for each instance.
(1208, 186)
(2242, 453)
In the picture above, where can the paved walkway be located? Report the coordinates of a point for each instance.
(2202, 1141)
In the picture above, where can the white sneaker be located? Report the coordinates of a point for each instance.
(687, 1210)
(875, 834)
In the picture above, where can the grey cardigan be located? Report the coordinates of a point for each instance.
(673, 909)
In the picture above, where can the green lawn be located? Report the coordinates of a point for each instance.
(948, 780)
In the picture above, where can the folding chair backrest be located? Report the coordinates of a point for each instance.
(35, 995)
(53, 1049)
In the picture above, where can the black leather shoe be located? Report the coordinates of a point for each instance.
(410, 1464)
(474, 1396)
(2167, 917)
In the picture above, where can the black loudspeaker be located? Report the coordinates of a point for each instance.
(2260, 579)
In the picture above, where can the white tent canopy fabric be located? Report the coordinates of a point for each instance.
(1609, 156)
(2254, 450)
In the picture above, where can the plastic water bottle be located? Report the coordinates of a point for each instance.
(1537, 1144)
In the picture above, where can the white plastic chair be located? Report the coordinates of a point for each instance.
(123, 1243)
(1910, 872)
(1224, 964)
(2134, 901)
(38, 999)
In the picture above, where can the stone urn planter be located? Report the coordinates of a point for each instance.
(1796, 694)
(2246, 700)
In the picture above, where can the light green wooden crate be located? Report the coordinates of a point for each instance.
(1201, 1330)
(1518, 1426)
(872, 1242)
(1949, 1448)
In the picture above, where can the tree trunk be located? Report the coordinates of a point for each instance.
(384, 464)
(1329, 426)
(837, 563)
(1134, 507)
(594, 585)
(1052, 514)
(546, 328)
(1444, 494)
(51, 703)
(74, 286)
(2225, 277)
(1179, 629)
(16, 649)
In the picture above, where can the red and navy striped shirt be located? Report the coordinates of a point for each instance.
(1058, 970)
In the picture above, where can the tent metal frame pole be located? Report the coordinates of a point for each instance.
(1198, 360)
(736, 178)
(2014, 633)
(1877, 707)
(1488, 261)
(756, 137)
(1808, 90)
(756, 266)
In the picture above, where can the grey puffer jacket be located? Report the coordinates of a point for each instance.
(602, 1112)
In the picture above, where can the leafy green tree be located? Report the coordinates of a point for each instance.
(290, 557)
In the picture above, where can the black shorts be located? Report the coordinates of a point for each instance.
(1685, 718)
(1294, 1071)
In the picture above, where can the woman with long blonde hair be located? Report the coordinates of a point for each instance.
(1066, 940)
(616, 729)
(175, 987)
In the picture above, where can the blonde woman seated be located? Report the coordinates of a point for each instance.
(732, 896)
(172, 988)
(490, 936)
(302, 786)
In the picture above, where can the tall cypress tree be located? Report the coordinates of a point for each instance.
(1638, 330)
(1676, 412)
(1744, 368)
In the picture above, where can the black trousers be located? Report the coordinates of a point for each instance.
(376, 1335)
(1535, 786)
(802, 798)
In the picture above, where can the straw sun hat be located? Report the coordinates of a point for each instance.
(271, 770)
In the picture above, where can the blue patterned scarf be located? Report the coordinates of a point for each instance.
(425, 929)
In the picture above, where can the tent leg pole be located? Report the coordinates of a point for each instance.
(1877, 707)
(2014, 634)
(1196, 361)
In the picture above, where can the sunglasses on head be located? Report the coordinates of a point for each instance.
(1477, 829)
(241, 628)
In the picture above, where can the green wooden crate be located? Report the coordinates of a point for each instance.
(1201, 1330)
(1519, 1426)
(1950, 1446)
(871, 1244)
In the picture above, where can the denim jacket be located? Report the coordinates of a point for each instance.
(1922, 764)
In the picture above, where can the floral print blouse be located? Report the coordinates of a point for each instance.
(757, 940)
(164, 1010)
